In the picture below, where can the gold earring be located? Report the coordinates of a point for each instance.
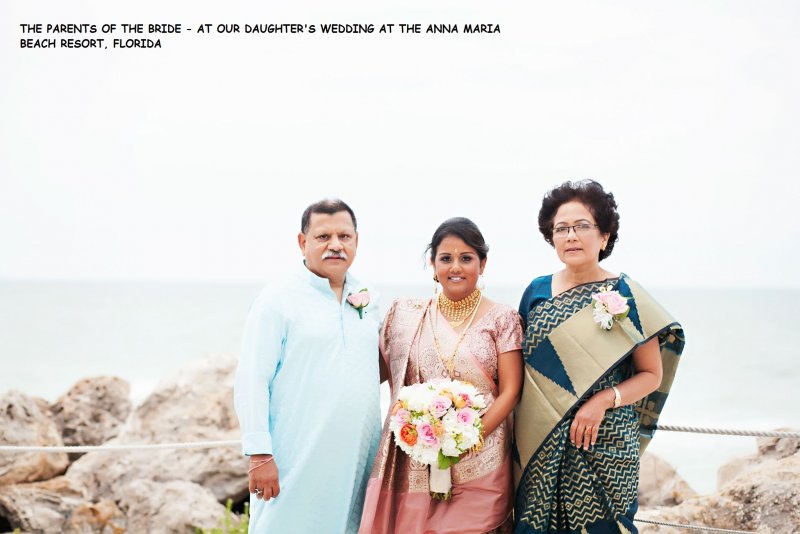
(435, 285)
(481, 282)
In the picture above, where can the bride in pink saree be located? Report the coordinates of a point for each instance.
(463, 336)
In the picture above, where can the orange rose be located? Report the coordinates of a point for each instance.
(408, 434)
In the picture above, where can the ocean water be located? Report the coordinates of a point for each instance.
(738, 370)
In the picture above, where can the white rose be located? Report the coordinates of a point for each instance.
(602, 317)
(449, 419)
(449, 446)
(469, 436)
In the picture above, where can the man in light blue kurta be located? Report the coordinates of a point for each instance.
(307, 387)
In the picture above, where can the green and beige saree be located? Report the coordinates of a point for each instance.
(561, 488)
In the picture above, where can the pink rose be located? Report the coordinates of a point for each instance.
(402, 416)
(359, 301)
(615, 303)
(439, 406)
(426, 434)
(466, 416)
(466, 399)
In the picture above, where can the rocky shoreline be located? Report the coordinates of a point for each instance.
(167, 490)
(759, 493)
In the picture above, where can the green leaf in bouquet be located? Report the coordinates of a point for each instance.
(447, 461)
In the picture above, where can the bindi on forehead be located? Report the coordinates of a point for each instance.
(457, 252)
(452, 245)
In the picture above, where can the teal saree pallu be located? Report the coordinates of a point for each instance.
(569, 357)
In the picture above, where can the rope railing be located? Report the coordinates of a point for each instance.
(236, 442)
(123, 446)
(693, 527)
(730, 432)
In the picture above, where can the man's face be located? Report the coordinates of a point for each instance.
(329, 246)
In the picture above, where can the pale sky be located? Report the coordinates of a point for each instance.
(195, 161)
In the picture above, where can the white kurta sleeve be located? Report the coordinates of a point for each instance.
(262, 346)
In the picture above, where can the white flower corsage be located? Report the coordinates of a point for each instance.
(609, 306)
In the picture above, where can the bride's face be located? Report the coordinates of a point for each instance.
(457, 266)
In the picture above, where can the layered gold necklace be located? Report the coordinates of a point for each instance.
(449, 360)
(457, 311)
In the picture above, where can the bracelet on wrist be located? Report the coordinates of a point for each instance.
(255, 464)
(617, 397)
(478, 446)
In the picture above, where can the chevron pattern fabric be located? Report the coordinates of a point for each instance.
(543, 318)
(548, 314)
(566, 489)
(569, 358)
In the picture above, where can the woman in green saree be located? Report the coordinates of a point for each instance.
(600, 356)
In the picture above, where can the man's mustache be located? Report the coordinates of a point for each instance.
(334, 254)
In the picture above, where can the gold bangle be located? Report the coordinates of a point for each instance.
(478, 446)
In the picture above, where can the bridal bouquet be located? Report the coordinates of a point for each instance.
(435, 423)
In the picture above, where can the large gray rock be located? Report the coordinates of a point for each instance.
(103, 517)
(92, 411)
(768, 448)
(194, 405)
(732, 469)
(58, 505)
(660, 484)
(764, 496)
(778, 447)
(172, 507)
(25, 420)
(150, 491)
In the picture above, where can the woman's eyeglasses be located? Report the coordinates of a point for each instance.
(561, 232)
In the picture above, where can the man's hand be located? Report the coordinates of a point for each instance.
(264, 478)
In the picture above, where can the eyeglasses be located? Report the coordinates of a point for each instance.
(561, 232)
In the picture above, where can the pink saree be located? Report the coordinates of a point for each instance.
(398, 498)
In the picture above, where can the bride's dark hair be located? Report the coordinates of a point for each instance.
(463, 228)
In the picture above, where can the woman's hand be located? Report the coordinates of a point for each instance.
(509, 378)
(647, 363)
(586, 423)
(264, 478)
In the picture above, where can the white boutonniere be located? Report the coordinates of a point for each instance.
(359, 301)
(609, 306)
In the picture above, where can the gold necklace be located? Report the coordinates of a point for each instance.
(449, 363)
(457, 311)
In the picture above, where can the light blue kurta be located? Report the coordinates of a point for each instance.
(307, 391)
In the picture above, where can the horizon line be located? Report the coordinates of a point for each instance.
(260, 282)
